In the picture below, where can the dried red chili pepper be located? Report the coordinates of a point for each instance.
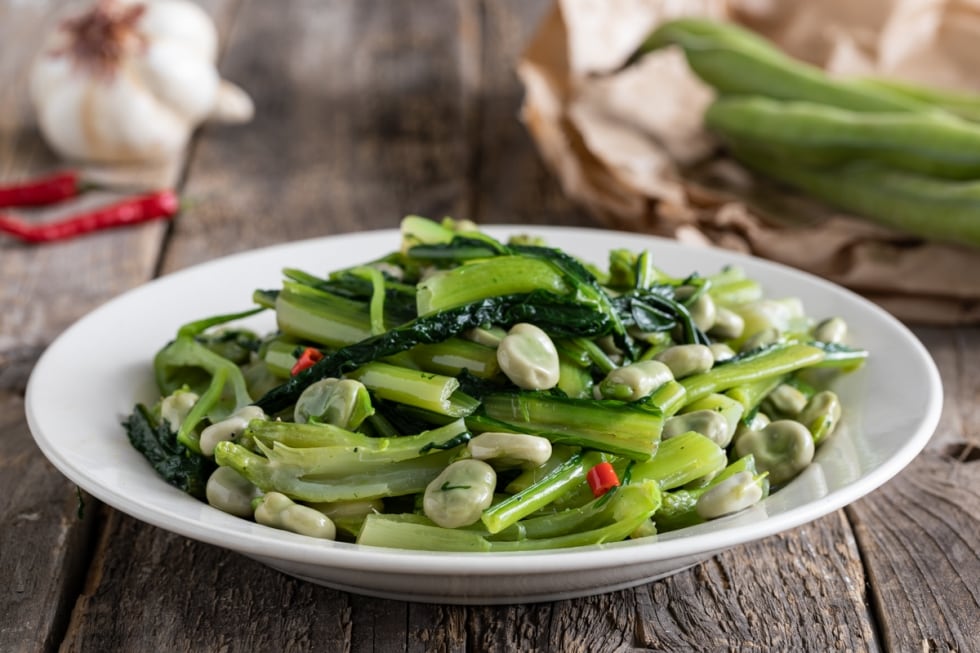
(307, 359)
(161, 204)
(41, 192)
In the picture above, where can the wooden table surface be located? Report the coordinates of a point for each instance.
(367, 111)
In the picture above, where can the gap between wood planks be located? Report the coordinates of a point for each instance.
(472, 62)
(875, 609)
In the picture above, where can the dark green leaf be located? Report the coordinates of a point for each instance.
(174, 462)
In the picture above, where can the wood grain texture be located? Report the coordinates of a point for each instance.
(920, 539)
(920, 534)
(510, 182)
(150, 590)
(366, 111)
(359, 121)
(44, 544)
(44, 541)
(802, 590)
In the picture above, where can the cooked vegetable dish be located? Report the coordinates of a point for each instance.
(468, 394)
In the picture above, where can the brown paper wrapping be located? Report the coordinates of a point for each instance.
(630, 145)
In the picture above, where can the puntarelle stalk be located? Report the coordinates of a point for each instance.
(774, 362)
(425, 384)
(630, 430)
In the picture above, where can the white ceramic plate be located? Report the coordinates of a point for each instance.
(92, 375)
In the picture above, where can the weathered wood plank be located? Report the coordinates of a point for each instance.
(359, 121)
(920, 533)
(510, 182)
(802, 590)
(44, 545)
(920, 539)
(44, 538)
(164, 592)
(43, 542)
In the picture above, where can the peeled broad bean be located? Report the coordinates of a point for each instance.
(709, 423)
(831, 330)
(174, 407)
(528, 357)
(821, 415)
(787, 399)
(783, 448)
(703, 311)
(230, 492)
(685, 360)
(279, 511)
(721, 351)
(510, 449)
(460, 494)
(757, 422)
(635, 381)
(228, 429)
(737, 492)
(730, 409)
(728, 324)
(341, 402)
(760, 339)
(781, 315)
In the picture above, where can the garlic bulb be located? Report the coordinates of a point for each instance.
(128, 82)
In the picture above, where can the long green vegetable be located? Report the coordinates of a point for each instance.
(737, 62)
(901, 155)
(932, 144)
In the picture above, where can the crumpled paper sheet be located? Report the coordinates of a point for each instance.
(630, 146)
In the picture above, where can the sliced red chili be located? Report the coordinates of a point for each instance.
(602, 478)
(161, 204)
(43, 191)
(308, 358)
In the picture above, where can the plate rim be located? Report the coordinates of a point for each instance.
(402, 561)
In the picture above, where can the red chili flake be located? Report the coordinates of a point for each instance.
(602, 478)
(307, 359)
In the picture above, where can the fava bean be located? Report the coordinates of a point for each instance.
(174, 407)
(787, 400)
(783, 448)
(721, 351)
(528, 357)
(230, 492)
(279, 511)
(341, 402)
(737, 492)
(685, 360)
(635, 381)
(709, 423)
(228, 429)
(703, 310)
(510, 449)
(821, 414)
(728, 324)
(760, 339)
(460, 494)
(832, 330)
(723, 405)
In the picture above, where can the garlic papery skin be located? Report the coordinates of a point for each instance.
(129, 81)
